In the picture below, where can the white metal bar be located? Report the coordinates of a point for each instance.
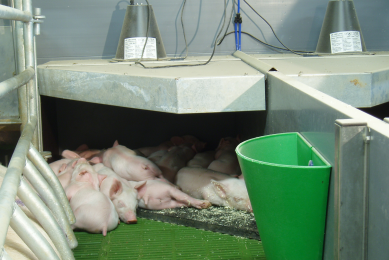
(15, 82)
(38, 244)
(51, 200)
(11, 180)
(35, 157)
(45, 218)
(10, 13)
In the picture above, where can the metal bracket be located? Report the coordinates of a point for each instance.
(38, 19)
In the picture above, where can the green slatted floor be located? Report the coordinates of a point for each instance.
(149, 239)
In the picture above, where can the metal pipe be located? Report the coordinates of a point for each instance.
(21, 65)
(48, 196)
(15, 82)
(45, 218)
(12, 178)
(38, 244)
(10, 13)
(47, 173)
(32, 89)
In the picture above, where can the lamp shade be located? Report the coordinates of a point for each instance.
(133, 35)
(340, 31)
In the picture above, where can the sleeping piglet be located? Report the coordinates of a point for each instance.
(218, 188)
(157, 195)
(128, 165)
(202, 159)
(121, 193)
(226, 160)
(175, 159)
(93, 210)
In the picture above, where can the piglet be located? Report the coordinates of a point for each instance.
(121, 193)
(173, 160)
(218, 188)
(147, 151)
(59, 165)
(226, 160)
(66, 171)
(202, 160)
(190, 140)
(93, 210)
(157, 195)
(128, 165)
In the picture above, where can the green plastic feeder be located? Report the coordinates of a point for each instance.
(289, 198)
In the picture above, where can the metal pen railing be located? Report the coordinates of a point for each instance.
(54, 213)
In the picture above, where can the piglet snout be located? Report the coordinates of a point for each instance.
(130, 218)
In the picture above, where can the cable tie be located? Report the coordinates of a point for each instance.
(238, 18)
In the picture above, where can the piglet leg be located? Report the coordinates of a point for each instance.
(187, 200)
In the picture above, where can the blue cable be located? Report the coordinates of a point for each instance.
(236, 36)
(240, 35)
(238, 19)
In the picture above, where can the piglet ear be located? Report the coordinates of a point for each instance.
(116, 189)
(176, 140)
(219, 188)
(96, 160)
(220, 143)
(63, 167)
(101, 177)
(70, 154)
(77, 162)
(116, 143)
(139, 185)
(82, 147)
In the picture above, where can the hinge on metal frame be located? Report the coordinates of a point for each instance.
(367, 136)
(38, 19)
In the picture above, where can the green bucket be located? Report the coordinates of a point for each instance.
(289, 198)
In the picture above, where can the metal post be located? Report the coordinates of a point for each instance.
(45, 218)
(351, 194)
(48, 196)
(38, 244)
(12, 178)
(21, 64)
(32, 89)
(47, 173)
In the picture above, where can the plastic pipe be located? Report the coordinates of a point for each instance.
(36, 158)
(240, 29)
(45, 218)
(38, 244)
(236, 36)
(48, 196)
(12, 178)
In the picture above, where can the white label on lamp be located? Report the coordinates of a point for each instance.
(348, 41)
(133, 48)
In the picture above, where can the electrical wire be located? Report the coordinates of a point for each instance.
(190, 65)
(147, 30)
(267, 44)
(305, 54)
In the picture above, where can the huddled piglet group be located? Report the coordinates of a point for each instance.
(104, 186)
